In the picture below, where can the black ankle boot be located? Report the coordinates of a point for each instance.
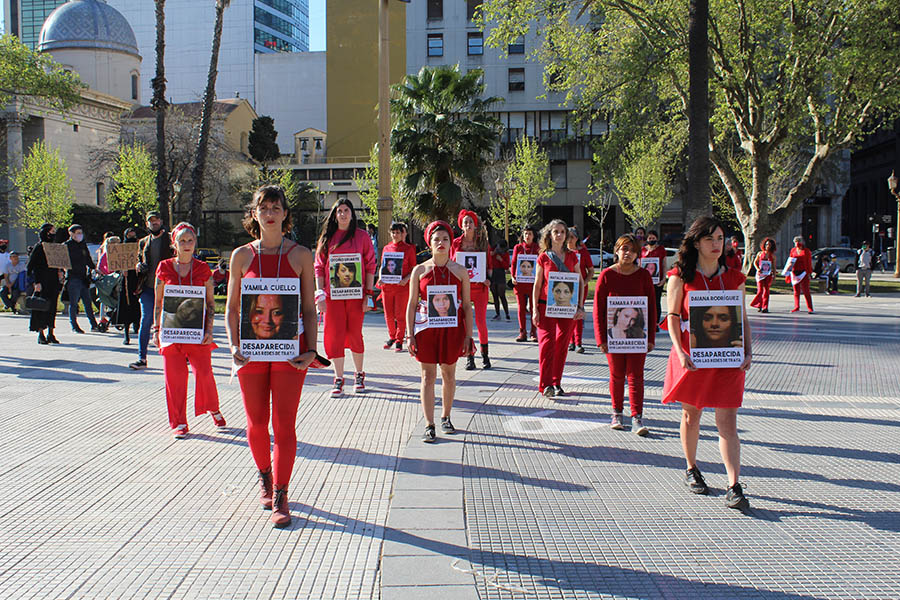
(42, 339)
(485, 361)
(51, 338)
(470, 362)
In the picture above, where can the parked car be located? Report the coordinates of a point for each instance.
(597, 255)
(209, 256)
(846, 257)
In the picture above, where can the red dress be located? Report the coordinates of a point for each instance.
(441, 345)
(713, 388)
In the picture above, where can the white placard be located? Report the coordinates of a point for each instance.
(475, 263)
(391, 267)
(788, 266)
(346, 276)
(443, 306)
(651, 263)
(270, 318)
(562, 294)
(716, 328)
(626, 324)
(183, 312)
(764, 269)
(525, 265)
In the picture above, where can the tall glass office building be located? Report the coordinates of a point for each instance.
(24, 18)
(281, 25)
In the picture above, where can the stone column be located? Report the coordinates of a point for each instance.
(13, 164)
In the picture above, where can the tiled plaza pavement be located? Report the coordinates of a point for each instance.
(533, 499)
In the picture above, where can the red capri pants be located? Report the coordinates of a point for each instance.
(553, 347)
(175, 368)
(480, 295)
(632, 367)
(395, 299)
(343, 327)
(283, 383)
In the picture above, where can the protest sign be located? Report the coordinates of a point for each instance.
(442, 306)
(717, 328)
(525, 264)
(183, 312)
(475, 263)
(652, 266)
(391, 267)
(57, 255)
(764, 270)
(121, 257)
(626, 324)
(562, 294)
(270, 318)
(346, 276)
(788, 266)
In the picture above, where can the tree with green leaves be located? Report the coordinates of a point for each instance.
(643, 182)
(444, 137)
(24, 72)
(262, 146)
(524, 187)
(806, 77)
(134, 190)
(46, 194)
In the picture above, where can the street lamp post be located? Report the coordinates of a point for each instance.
(894, 185)
(385, 203)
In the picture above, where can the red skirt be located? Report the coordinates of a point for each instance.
(441, 345)
(703, 388)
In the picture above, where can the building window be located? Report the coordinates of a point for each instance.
(471, 6)
(134, 87)
(435, 9)
(435, 44)
(516, 80)
(101, 193)
(517, 47)
(476, 44)
(75, 127)
(558, 173)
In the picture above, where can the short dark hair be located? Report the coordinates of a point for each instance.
(266, 193)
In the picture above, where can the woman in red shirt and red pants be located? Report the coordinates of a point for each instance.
(396, 295)
(474, 239)
(527, 245)
(800, 273)
(587, 274)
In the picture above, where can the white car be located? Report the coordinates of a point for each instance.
(607, 257)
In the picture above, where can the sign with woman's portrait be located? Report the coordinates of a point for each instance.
(442, 306)
(652, 266)
(346, 276)
(626, 324)
(392, 267)
(562, 294)
(475, 263)
(270, 318)
(525, 267)
(788, 266)
(183, 312)
(764, 270)
(717, 328)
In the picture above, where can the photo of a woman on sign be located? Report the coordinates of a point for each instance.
(182, 313)
(716, 327)
(391, 267)
(345, 276)
(562, 293)
(651, 267)
(471, 263)
(442, 305)
(526, 269)
(627, 323)
(268, 317)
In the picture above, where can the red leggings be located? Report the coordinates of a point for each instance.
(632, 367)
(553, 347)
(578, 332)
(284, 383)
(395, 300)
(802, 287)
(175, 368)
(343, 327)
(480, 295)
(523, 299)
(761, 299)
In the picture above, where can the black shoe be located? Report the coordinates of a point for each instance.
(52, 338)
(41, 339)
(735, 498)
(77, 329)
(447, 426)
(429, 436)
(571, 346)
(765, 310)
(485, 361)
(496, 317)
(560, 391)
(522, 337)
(389, 343)
(507, 317)
(549, 391)
(470, 362)
(580, 349)
(96, 329)
(694, 480)
(138, 365)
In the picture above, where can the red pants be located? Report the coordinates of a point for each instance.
(343, 327)
(523, 299)
(632, 367)
(578, 332)
(480, 295)
(802, 287)
(175, 368)
(761, 299)
(553, 347)
(281, 381)
(395, 300)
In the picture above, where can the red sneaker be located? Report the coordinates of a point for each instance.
(180, 432)
(217, 418)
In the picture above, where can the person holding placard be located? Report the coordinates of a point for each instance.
(340, 299)
(700, 277)
(587, 274)
(152, 249)
(499, 263)
(554, 332)
(272, 379)
(47, 285)
(653, 258)
(800, 272)
(524, 262)
(765, 265)
(128, 309)
(624, 314)
(398, 259)
(473, 246)
(446, 331)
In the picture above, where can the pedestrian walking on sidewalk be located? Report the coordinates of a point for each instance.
(443, 331)
(864, 270)
(499, 263)
(272, 387)
(474, 239)
(47, 285)
(152, 249)
(554, 333)
(765, 269)
(395, 296)
(523, 289)
(700, 267)
(800, 274)
(573, 242)
(186, 312)
(343, 317)
(626, 278)
(78, 278)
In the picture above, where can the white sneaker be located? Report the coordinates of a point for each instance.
(616, 421)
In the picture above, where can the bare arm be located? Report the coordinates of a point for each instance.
(411, 306)
(240, 260)
(674, 297)
(466, 287)
(157, 311)
(210, 300)
(301, 260)
(748, 351)
(536, 292)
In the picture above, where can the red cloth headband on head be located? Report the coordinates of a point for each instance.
(434, 226)
(466, 213)
(178, 229)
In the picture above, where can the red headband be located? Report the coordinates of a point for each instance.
(181, 227)
(434, 226)
(466, 213)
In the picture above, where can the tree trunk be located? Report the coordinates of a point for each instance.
(196, 208)
(698, 202)
(159, 104)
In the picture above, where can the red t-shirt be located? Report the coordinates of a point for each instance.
(584, 262)
(547, 266)
(499, 260)
(613, 283)
(409, 260)
(199, 273)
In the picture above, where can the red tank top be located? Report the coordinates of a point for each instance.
(272, 265)
(438, 276)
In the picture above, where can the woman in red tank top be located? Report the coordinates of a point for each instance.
(474, 239)
(268, 219)
(435, 339)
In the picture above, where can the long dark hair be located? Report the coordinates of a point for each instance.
(686, 261)
(330, 227)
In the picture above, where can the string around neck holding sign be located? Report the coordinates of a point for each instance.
(259, 250)
(190, 271)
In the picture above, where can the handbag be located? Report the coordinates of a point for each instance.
(37, 303)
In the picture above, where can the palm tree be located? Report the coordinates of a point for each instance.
(196, 211)
(444, 137)
(159, 105)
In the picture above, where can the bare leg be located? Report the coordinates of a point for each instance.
(448, 388)
(338, 364)
(729, 443)
(429, 374)
(358, 361)
(690, 433)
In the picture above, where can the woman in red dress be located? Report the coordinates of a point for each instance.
(396, 295)
(474, 239)
(700, 267)
(186, 270)
(800, 273)
(553, 333)
(527, 245)
(438, 345)
(625, 278)
(587, 274)
(764, 263)
(272, 387)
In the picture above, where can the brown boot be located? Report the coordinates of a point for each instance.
(265, 489)
(281, 516)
